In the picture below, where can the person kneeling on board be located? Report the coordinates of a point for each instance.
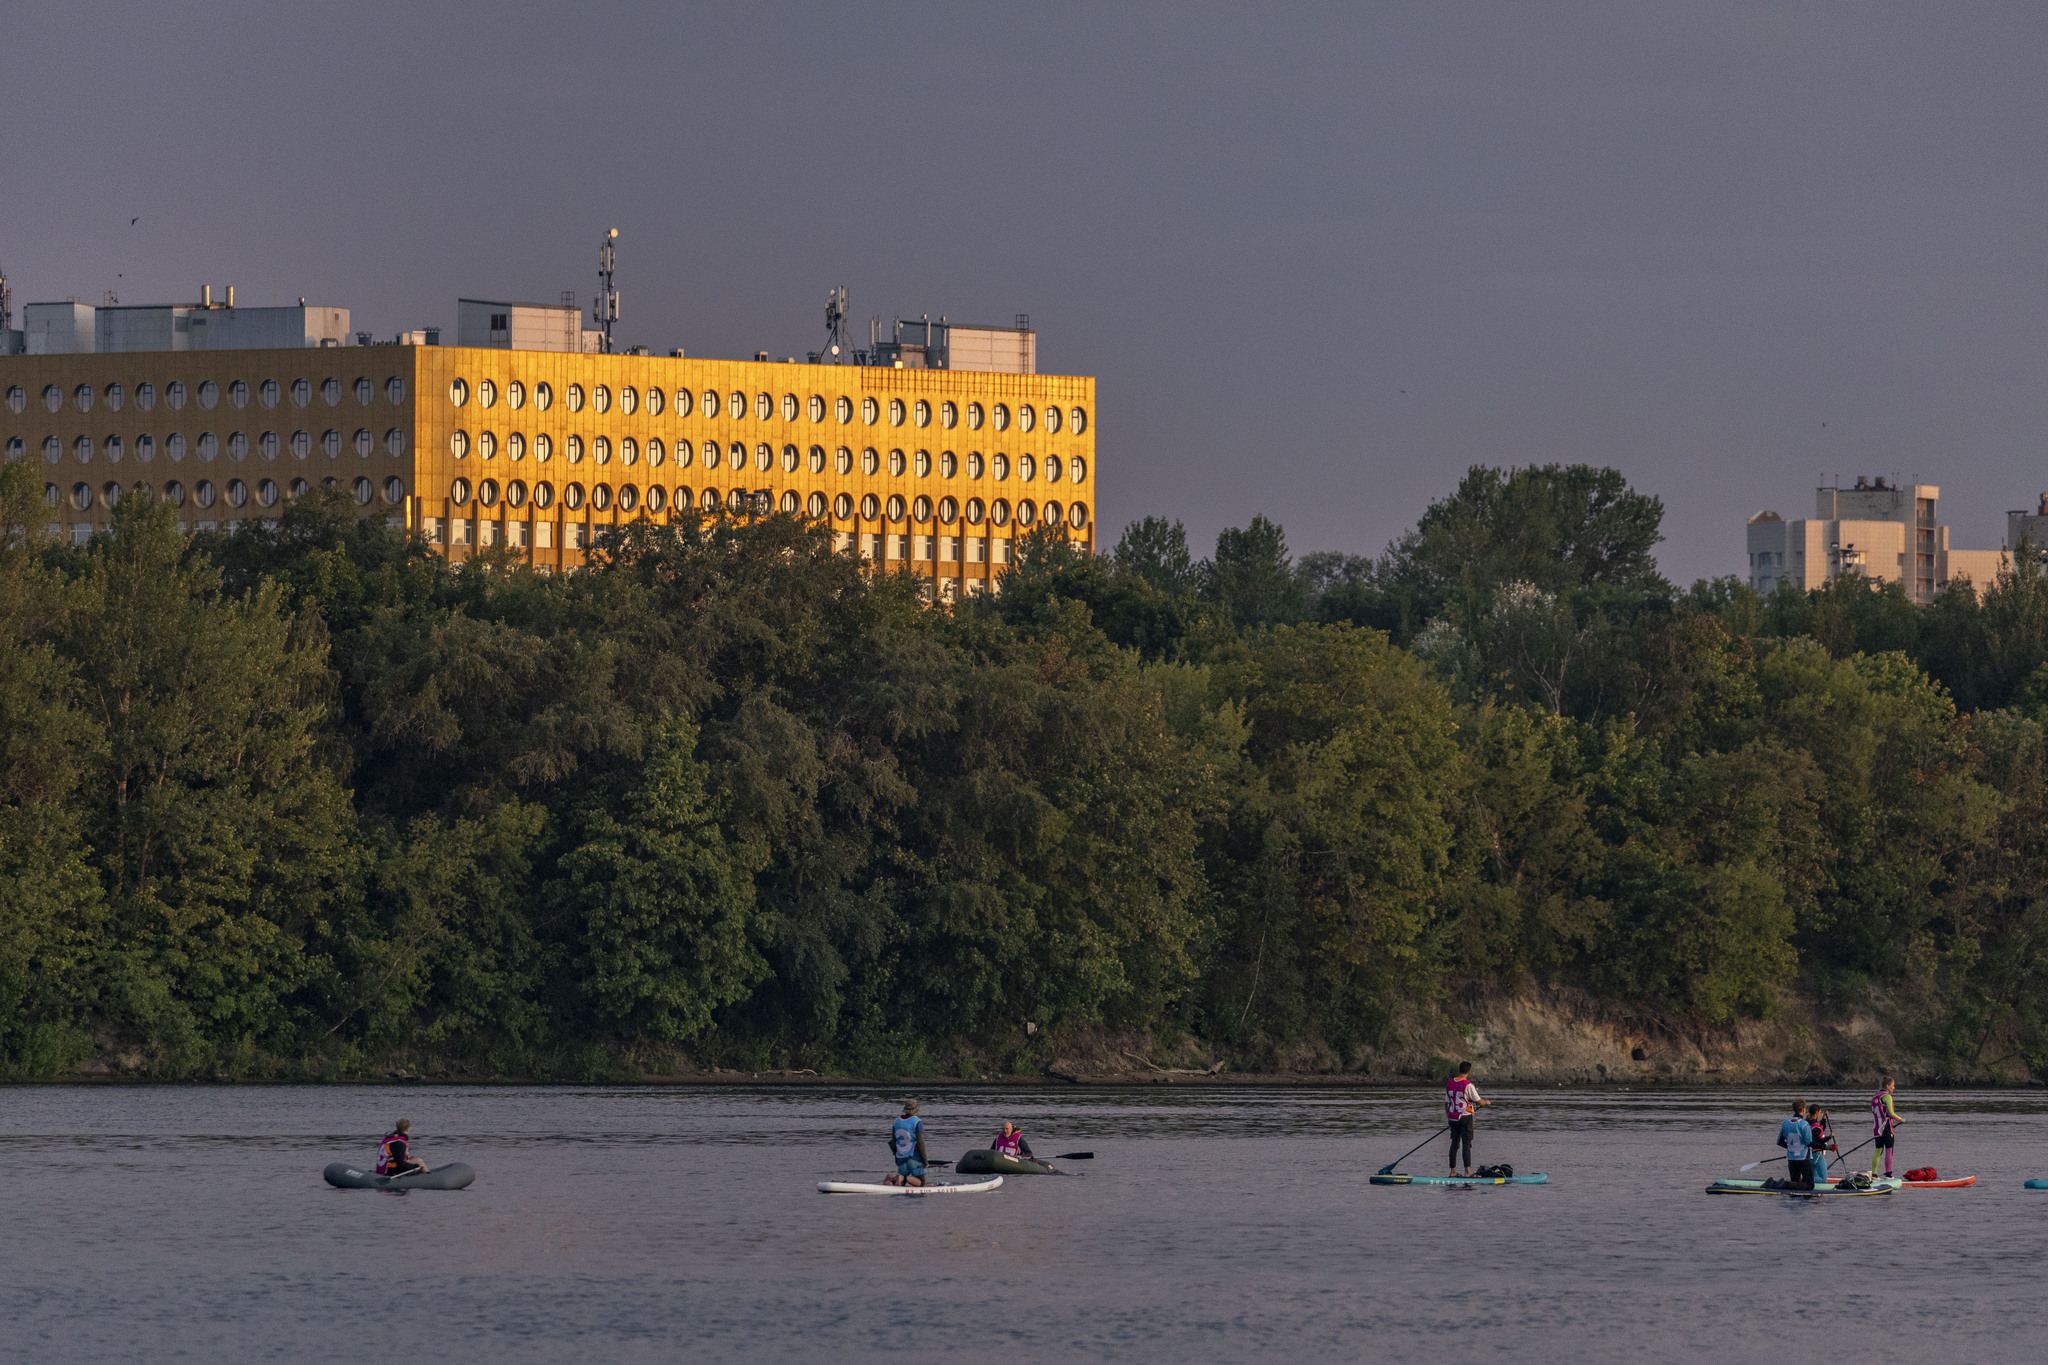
(1795, 1135)
(1010, 1143)
(395, 1156)
(906, 1144)
(1461, 1104)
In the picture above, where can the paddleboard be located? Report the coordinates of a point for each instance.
(453, 1176)
(1397, 1179)
(1941, 1184)
(987, 1161)
(2037, 1184)
(852, 1187)
(1757, 1187)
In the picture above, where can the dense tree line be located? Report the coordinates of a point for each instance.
(306, 800)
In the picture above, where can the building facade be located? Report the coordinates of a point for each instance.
(933, 472)
(1888, 533)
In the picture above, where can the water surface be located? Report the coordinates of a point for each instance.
(635, 1224)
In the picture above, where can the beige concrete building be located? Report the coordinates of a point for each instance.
(1886, 532)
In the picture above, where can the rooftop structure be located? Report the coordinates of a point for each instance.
(73, 328)
(943, 345)
(1883, 531)
(498, 325)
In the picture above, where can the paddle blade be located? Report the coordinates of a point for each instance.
(1075, 1156)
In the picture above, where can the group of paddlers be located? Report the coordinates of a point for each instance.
(906, 1144)
(1809, 1135)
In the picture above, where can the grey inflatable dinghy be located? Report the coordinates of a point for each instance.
(453, 1176)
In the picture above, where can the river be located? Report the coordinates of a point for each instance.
(1215, 1223)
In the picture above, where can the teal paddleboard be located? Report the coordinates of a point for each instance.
(1538, 1179)
(2037, 1184)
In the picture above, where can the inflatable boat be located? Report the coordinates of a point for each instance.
(453, 1176)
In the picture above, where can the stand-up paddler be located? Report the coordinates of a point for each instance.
(1795, 1135)
(1461, 1104)
(1884, 1122)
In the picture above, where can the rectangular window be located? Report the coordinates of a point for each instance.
(949, 550)
(1002, 552)
(899, 547)
(922, 546)
(577, 534)
(545, 535)
(430, 527)
(460, 527)
(977, 550)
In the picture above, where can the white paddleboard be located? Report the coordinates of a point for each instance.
(847, 1187)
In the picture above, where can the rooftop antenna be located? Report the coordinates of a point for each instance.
(604, 309)
(6, 304)
(836, 338)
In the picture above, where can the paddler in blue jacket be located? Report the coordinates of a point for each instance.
(906, 1144)
(1795, 1135)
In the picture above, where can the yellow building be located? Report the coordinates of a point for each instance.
(927, 471)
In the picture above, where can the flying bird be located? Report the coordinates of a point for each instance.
(133, 221)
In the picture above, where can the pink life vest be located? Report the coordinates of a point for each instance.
(1457, 1098)
(1008, 1145)
(1880, 1114)
(384, 1152)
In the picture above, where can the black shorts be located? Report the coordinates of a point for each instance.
(1883, 1140)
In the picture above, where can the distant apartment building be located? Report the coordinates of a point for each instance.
(1885, 532)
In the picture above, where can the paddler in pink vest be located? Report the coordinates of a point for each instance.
(1884, 1119)
(1461, 1102)
(1010, 1143)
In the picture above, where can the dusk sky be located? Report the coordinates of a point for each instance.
(1321, 258)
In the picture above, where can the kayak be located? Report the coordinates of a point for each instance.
(1955, 1184)
(849, 1187)
(1757, 1187)
(987, 1161)
(453, 1176)
(1537, 1179)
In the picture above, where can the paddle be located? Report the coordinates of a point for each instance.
(1388, 1169)
(1075, 1156)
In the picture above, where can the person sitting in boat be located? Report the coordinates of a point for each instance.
(395, 1156)
(1010, 1143)
(906, 1144)
(1817, 1151)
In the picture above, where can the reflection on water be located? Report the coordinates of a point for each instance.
(646, 1224)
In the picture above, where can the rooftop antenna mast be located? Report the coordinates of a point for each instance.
(837, 340)
(6, 304)
(604, 309)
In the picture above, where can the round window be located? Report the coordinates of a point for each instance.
(791, 458)
(145, 397)
(1077, 419)
(655, 452)
(113, 445)
(686, 454)
(739, 405)
(81, 495)
(896, 463)
(515, 395)
(573, 448)
(543, 397)
(974, 511)
(629, 497)
(764, 407)
(53, 397)
(209, 445)
(629, 400)
(238, 446)
(458, 444)
(572, 497)
(974, 417)
(487, 444)
(267, 443)
(816, 506)
(365, 443)
(709, 502)
(601, 449)
(975, 467)
(302, 392)
(1052, 418)
(601, 496)
(458, 492)
(174, 493)
(575, 397)
(764, 457)
(82, 397)
(174, 394)
(921, 508)
(330, 391)
(1027, 417)
(601, 400)
(394, 393)
(53, 449)
(842, 461)
(1077, 516)
(1052, 469)
(543, 447)
(515, 446)
(844, 408)
(203, 494)
(949, 414)
(114, 397)
(17, 399)
(629, 450)
(394, 489)
(302, 444)
(816, 408)
(842, 506)
(949, 464)
(924, 464)
(817, 460)
(145, 448)
(300, 488)
(656, 498)
(682, 402)
(949, 511)
(999, 416)
(923, 413)
(870, 462)
(654, 402)
(209, 394)
(1027, 468)
(789, 407)
(174, 445)
(870, 507)
(238, 395)
(999, 512)
(486, 394)
(1054, 514)
(487, 493)
(266, 493)
(238, 493)
(870, 410)
(1027, 512)
(896, 508)
(896, 411)
(711, 402)
(267, 394)
(364, 492)
(364, 390)
(1078, 468)
(394, 441)
(999, 465)
(543, 495)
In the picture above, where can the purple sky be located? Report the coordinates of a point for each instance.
(1321, 259)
